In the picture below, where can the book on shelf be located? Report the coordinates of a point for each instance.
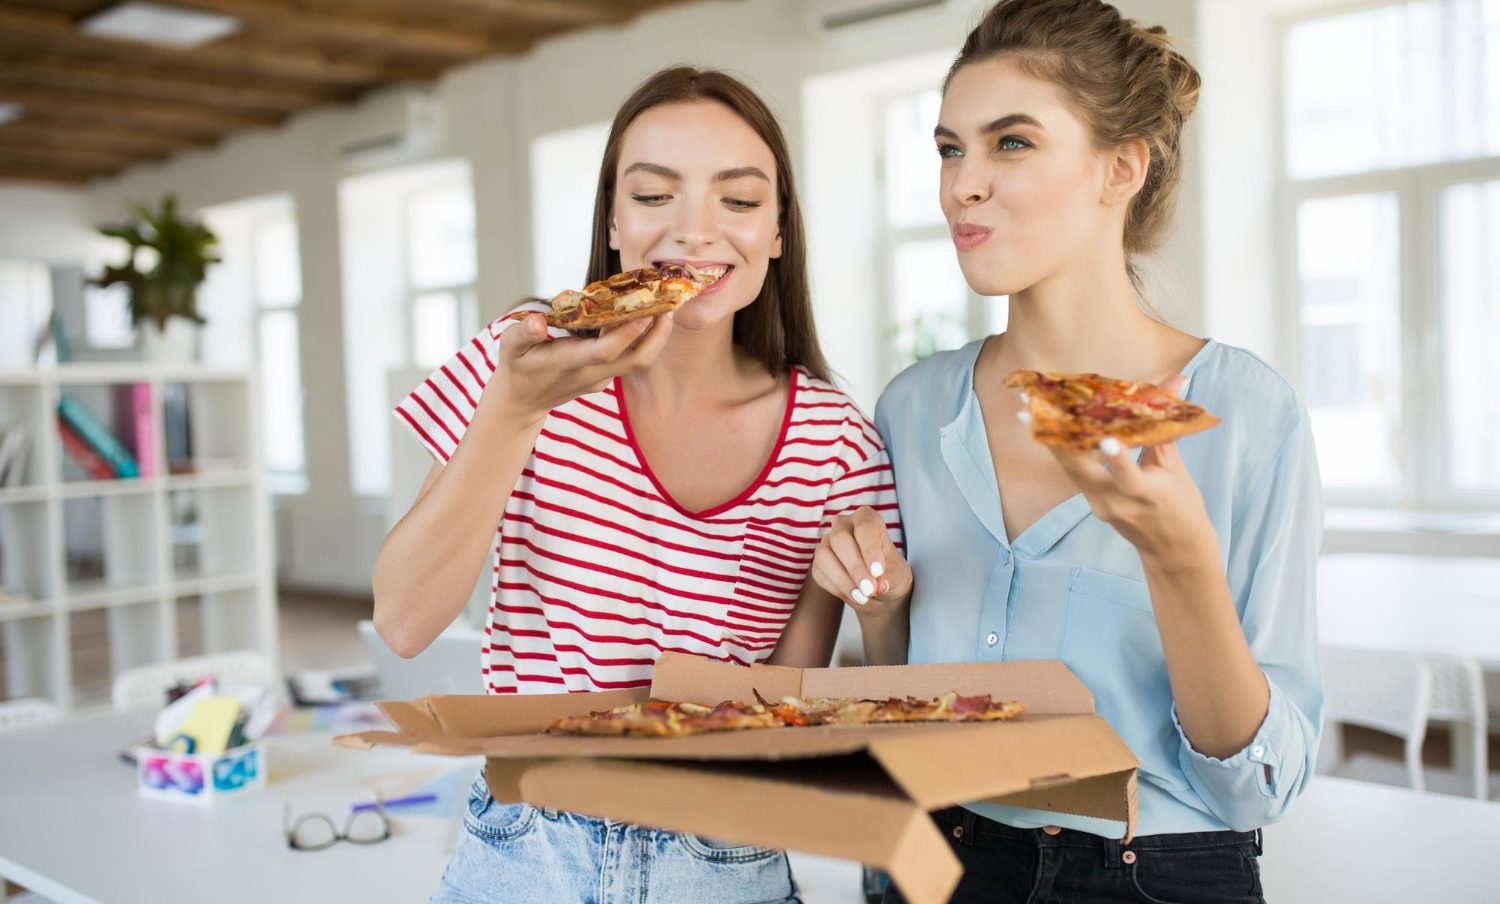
(13, 452)
(135, 425)
(177, 428)
(97, 436)
(83, 455)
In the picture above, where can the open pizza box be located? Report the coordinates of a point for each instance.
(855, 792)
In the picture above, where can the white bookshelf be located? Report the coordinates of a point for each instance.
(145, 563)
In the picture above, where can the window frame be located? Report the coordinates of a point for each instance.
(1426, 479)
(464, 292)
(280, 482)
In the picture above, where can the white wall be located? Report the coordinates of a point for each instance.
(328, 537)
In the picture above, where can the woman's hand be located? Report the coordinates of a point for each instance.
(857, 562)
(541, 373)
(1153, 503)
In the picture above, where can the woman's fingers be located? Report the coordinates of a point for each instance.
(845, 548)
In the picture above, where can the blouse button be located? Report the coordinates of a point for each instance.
(1128, 857)
(992, 638)
(1258, 751)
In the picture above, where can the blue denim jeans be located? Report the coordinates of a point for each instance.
(517, 854)
(1003, 864)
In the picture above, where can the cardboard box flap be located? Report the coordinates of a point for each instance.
(494, 715)
(1102, 796)
(411, 719)
(1046, 687)
(682, 677)
(816, 812)
(993, 761)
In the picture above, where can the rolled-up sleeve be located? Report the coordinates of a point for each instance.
(1272, 571)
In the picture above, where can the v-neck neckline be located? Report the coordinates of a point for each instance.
(964, 442)
(742, 495)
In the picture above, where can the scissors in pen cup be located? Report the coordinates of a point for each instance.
(317, 831)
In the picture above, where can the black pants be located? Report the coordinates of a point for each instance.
(1004, 865)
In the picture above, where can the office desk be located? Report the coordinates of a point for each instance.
(73, 829)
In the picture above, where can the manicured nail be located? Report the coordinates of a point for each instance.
(876, 569)
(1023, 416)
(858, 597)
(867, 587)
(1025, 397)
(1109, 446)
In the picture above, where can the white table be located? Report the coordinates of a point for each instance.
(1359, 842)
(73, 829)
(1437, 604)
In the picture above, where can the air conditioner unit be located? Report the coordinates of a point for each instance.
(391, 128)
(836, 17)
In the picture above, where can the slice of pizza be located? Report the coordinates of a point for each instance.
(626, 296)
(1076, 411)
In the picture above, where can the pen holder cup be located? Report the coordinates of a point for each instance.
(200, 778)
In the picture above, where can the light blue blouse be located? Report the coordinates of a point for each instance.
(1071, 588)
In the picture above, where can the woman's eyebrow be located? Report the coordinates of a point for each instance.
(1004, 122)
(654, 168)
(739, 172)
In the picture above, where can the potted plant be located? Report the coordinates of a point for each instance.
(163, 297)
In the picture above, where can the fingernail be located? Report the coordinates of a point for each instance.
(867, 587)
(1025, 397)
(876, 569)
(858, 597)
(1109, 446)
(1023, 416)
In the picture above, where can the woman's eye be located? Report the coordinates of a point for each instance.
(650, 199)
(949, 150)
(1013, 143)
(740, 204)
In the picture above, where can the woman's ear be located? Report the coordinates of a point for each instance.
(776, 245)
(1127, 167)
(614, 233)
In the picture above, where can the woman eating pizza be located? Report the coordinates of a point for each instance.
(1174, 578)
(660, 486)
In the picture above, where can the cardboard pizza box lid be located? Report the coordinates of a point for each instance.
(807, 788)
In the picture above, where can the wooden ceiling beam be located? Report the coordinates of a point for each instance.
(546, 12)
(57, 175)
(26, 152)
(183, 85)
(41, 131)
(295, 19)
(134, 111)
(59, 33)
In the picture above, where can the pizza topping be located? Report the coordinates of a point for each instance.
(662, 719)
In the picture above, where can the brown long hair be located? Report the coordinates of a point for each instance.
(1126, 80)
(777, 328)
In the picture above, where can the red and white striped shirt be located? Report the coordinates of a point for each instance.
(598, 571)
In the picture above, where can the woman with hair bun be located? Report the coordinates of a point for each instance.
(1176, 581)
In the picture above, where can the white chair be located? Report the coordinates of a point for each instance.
(27, 712)
(1458, 700)
(1387, 690)
(145, 687)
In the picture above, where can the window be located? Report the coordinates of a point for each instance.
(930, 305)
(563, 170)
(1391, 180)
(409, 264)
(441, 263)
(256, 291)
(25, 306)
